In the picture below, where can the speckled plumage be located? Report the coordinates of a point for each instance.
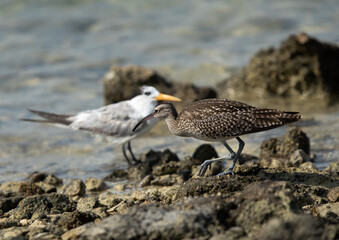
(220, 120)
(216, 119)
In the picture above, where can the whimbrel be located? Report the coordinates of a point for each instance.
(114, 120)
(220, 120)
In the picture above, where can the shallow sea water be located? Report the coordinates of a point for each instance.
(53, 55)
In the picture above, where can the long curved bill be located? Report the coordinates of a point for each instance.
(165, 97)
(148, 117)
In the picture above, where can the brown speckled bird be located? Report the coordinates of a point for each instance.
(220, 120)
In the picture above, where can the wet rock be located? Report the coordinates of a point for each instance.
(76, 188)
(292, 149)
(117, 174)
(204, 152)
(302, 69)
(123, 82)
(40, 205)
(333, 194)
(95, 185)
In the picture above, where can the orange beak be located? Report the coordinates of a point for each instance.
(165, 97)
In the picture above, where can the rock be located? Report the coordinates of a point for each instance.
(95, 185)
(30, 189)
(167, 180)
(146, 181)
(292, 149)
(69, 220)
(110, 199)
(74, 233)
(13, 233)
(116, 174)
(10, 203)
(333, 194)
(330, 211)
(76, 188)
(301, 227)
(187, 221)
(333, 168)
(87, 204)
(298, 157)
(40, 205)
(11, 187)
(302, 69)
(47, 188)
(260, 202)
(123, 82)
(307, 165)
(49, 179)
(204, 152)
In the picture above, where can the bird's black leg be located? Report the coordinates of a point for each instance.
(130, 150)
(125, 155)
(237, 155)
(208, 163)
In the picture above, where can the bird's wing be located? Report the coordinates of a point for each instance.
(114, 120)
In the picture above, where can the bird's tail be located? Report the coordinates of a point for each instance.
(289, 117)
(49, 118)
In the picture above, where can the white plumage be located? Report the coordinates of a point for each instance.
(115, 120)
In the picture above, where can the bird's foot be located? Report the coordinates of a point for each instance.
(204, 166)
(228, 172)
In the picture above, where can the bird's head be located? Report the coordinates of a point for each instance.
(162, 110)
(152, 92)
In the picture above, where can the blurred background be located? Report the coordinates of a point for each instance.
(53, 55)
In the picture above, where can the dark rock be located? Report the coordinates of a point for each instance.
(46, 178)
(10, 203)
(146, 181)
(121, 83)
(95, 185)
(301, 69)
(41, 205)
(76, 188)
(286, 149)
(29, 189)
(116, 174)
(187, 221)
(204, 152)
(69, 220)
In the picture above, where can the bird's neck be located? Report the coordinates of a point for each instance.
(172, 122)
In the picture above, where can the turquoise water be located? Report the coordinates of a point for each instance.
(53, 55)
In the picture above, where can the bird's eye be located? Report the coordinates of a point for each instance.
(147, 93)
(156, 111)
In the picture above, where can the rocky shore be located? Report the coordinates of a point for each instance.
(278, 195)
